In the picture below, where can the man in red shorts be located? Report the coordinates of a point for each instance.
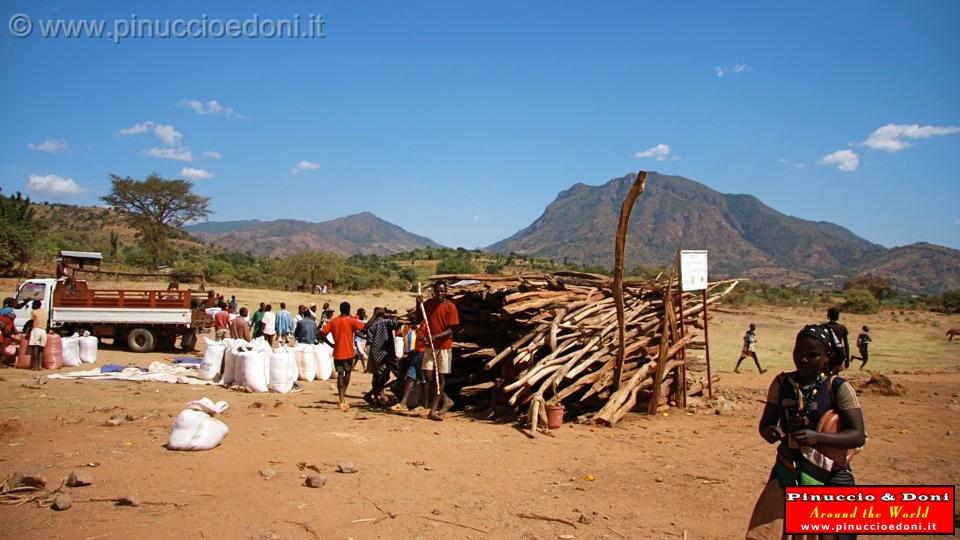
(343, 328)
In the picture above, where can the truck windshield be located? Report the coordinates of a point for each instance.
(30, 291)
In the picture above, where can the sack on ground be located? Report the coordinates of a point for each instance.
(253, 371)
(88, 349)
(324, 356)
(71, 351)
(195, 428)
(283, 371)
(212, 360)
(306, 362)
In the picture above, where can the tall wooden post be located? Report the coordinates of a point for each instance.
(635, 191)
(706, 344)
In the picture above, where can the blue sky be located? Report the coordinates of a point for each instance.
(461, 121)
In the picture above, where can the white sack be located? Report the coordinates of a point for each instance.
(212, 360)
(324, 356)
(398, 346)
(283, 371)
(252, 371)
(195, 427)
(71, 351)
(88, 349)
(306, 362)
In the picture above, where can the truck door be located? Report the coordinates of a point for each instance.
(28, 292)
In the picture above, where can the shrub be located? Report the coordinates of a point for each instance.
(950, 301)
(456, 265)
(860, 301)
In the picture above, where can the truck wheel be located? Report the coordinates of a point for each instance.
(141, 340)
(188, 342)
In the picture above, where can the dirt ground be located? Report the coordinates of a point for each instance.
(693, 473)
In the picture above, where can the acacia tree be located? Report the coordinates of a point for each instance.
(155, 206)
(311, 268)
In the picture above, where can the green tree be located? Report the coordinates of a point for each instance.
(18, 231)
(312, 268)
(456, 265)
(950, 301)
(861, 301)
(156, 207)
(879, 287)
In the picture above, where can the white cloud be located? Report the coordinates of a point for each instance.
(659, 151)
(195, 174)
(956, 221)
(50, 146)
(735, 69)
(212, 154)
(181, 153)
(890, 138)
(166, 133)
(788, 163)
(304, 165)
(845, 160)
(52, 184)
(476, 218)
(209, 107)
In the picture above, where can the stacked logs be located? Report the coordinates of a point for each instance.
(529, 338)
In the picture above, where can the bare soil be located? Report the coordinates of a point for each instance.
(690, 471)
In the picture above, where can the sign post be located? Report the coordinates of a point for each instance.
(693, 277)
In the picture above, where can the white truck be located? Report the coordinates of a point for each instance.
(144, 319)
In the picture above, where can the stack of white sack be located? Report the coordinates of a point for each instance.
(283, 370)
(306, 361)
(196, 428)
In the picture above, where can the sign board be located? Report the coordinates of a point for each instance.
(693, 270)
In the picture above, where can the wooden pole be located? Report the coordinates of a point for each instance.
(682, 379)
(706, 344)
(635, 191)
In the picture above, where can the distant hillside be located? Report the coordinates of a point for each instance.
(744, 236)
(362, 233)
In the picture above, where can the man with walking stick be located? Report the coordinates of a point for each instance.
(440, 317)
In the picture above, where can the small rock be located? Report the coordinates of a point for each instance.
(347, 467)
(585, 519)
(129, 418)
(949, 432)
(79, 478)
(565, 537)
(315, 480)
(114, 421)
(61, 502)
(28, 478)
(436, 511)
(129, 500)
(428, 468)
(268, 474)
(256, 405)
(658, 479)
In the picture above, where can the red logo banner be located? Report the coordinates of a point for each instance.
(896, 510)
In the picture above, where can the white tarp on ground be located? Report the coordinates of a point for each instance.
(156, 372)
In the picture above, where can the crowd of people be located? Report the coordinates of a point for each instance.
(422, 362)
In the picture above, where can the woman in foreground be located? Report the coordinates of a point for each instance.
(798, 403)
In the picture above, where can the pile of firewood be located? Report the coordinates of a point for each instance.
(529, 339)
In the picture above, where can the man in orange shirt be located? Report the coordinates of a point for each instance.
(442, 318)
(343, 328)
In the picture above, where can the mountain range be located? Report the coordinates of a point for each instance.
(362, 233)
(744, 237)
